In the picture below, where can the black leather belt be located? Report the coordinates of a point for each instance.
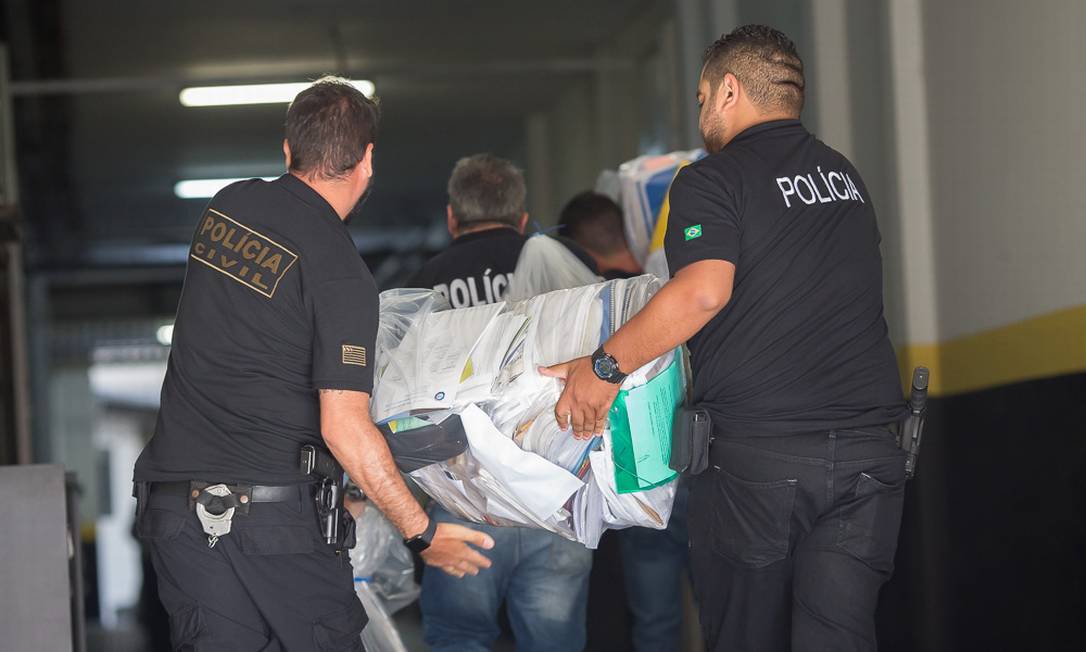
(246, 494)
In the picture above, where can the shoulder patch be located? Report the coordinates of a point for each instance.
(247, 256)
(692, 232)
(355, 355)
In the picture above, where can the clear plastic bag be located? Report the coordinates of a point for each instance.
(383, 579)
(546, 265)
(507, 399)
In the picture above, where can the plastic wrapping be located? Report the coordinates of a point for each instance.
(519, 469)
(642, 188)
(546, 265)
(384, 579)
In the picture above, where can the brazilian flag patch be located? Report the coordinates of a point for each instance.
(692, 232)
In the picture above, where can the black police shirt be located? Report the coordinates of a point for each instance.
(477, 267)
(802, 345)
(276, 305)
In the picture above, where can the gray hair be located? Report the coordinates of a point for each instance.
(485, 188)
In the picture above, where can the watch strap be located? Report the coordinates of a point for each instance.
(616, 376)
(422, 541)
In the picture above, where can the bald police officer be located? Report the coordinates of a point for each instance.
(776, 287)
(272, 351)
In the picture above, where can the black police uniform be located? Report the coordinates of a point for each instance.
(793, 529)
(477, 267)
(277, 304)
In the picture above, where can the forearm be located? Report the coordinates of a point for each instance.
(362, 451)
(675, 314)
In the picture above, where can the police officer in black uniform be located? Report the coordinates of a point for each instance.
(478, 266)
(776, 287)
(273, 351)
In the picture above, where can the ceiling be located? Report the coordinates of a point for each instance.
(102, 137)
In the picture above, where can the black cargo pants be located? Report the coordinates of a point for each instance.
(271, 584)
(793, 536)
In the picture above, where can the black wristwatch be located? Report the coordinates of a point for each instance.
(606, 368)
(421, 542)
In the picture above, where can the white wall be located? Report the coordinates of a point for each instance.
(1008, 158)
(962, 116)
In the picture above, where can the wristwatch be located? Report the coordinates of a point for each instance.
(606, 368)
(421, 542)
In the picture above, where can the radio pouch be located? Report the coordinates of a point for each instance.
(691, 434)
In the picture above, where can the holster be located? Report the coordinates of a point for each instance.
(691, 436)
(336, 524)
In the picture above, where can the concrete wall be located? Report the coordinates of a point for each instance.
(627, 105)
(1005, 97)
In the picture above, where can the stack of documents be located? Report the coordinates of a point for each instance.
(519, 468)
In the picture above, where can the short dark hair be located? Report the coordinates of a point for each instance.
(485, 188)
(765, 61)
(328, 128)
(594, 221)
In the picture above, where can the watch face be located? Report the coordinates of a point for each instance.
(417, 544)
(603, 367)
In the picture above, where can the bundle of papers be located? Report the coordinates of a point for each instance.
(520, 469)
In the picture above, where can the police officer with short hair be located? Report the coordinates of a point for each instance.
(272, 352)
(776, 288)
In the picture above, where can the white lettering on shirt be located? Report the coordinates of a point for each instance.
(464, 292)
(818, 187)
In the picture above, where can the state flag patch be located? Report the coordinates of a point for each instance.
(355, 355)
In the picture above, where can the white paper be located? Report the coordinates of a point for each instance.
(484, 362)
(424, 371)
(588, 520)
(539, 485)
(651, 508)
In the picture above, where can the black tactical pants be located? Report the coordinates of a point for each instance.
(271, 584)
(793, 536)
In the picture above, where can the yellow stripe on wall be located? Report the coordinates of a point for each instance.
(1039, 347)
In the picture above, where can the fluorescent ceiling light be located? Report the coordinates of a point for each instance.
(254, 93)
(203, 188)
(164, 334)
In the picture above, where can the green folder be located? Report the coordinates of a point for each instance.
(640, 422)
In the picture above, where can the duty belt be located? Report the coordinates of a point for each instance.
(242, 495)
(216, 504)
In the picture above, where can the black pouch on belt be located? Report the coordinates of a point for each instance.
(691, 434)
(420, 447)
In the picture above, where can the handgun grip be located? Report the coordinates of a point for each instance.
(918, 396)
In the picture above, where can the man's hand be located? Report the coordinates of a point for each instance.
(681, 308)
(450, 551)
(585, 400)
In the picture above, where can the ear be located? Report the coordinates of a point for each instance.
(729, 92)
(367, 160)
(523, 223)
(451, 222)
(286, 153)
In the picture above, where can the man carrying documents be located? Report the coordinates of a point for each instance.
(776, 288)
